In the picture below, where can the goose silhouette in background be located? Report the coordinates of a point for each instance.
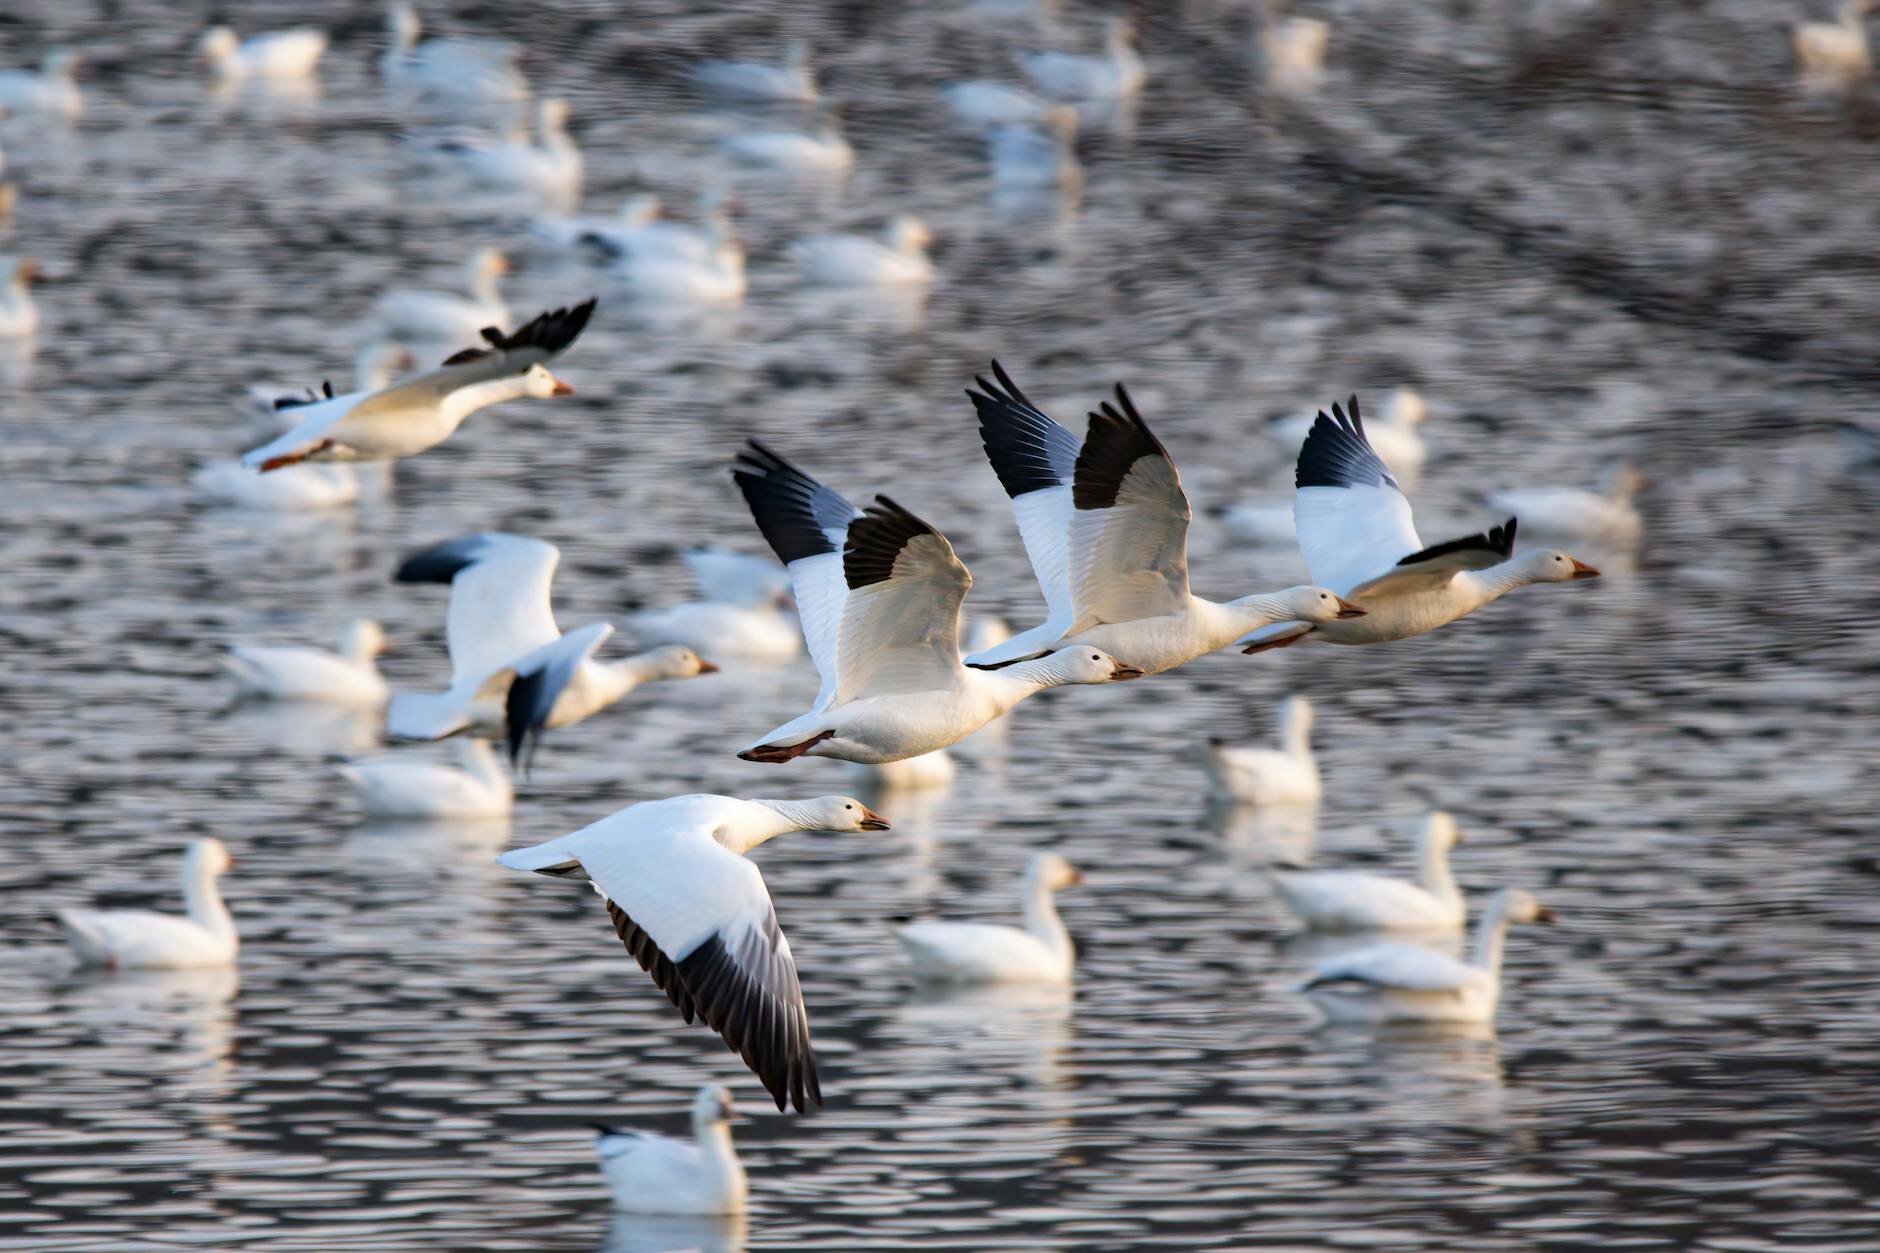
(288, 672)
(655, 1174)
(136, 939)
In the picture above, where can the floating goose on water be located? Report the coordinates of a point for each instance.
(1834, 55)
(136, 939)
(1346, 900)
(409, 417)
(1037, 157)
(655, 1174)
(464, 73)
(433, 317)
(1105, 523)
(396, 786)
(742, 614)
(1358, 538)
(913, 774)
(879, 595)
(1287, 775)
(1117, 74)
(793, 82)
(285, 672)
(513, 673)
(550, 167)
(696, 915)
(664, 270)
(19, 316)
(1393, 982)
(981, 106)
(568, 233)
(51, 92)
(972, 952)
(1292, 51)
(822, 151)
(1394, 439)
(857, 261)
(281, 54)
(1604, 517)
(1269, 525)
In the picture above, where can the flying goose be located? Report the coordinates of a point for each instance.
(696, 915)
(1115, 75)
(136, 939)
(513, 673)
(283, 54)
(1358, 538)
(287, 672)
(879, 595)
(1346, 900)
(654, 1174)
(1394, 438)
(409, 417)
(971, 952)
(1105, 523)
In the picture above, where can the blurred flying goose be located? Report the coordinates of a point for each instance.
(513, 673)
(654, 1174)
(793, 82)
(879, 595)
(1287, 775)
(1117, 74)
(1358, 538)
(857, 261)
(136, 939)
(1348, 900)
(396, 786)
(278, 55)
(1105, 523)
(696, 915)
(972, 952)
(434, 317)
(285, 672)
(409, 417)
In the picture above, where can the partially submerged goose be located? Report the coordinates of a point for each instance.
(1346, 900)
(136, 939)
(409, 417)
(1105, 523)
(283, 54)
(697, 917)
(396, 786)
(971, 952)
(284, 672)
(1393, 982)
(857, 261)
(879, 595)
(1287, 775)
(1603, 517)
(1117, 74)
(19, 316)
(793, 82)
(654, 1174)
(1358, 538)
(433, 317)
(513, 673)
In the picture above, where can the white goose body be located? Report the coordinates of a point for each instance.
(433, 317)
(19, 316)
(655, 1174)
(1358, 538)
(398, 787)
(1035, 156)
(982, 106)
(1287, 775)
(879, 595)
(347, 677)
(1393, 982)
(285, 54)
(1105, 523)
(1834, 55)
(459, 73)
(857, 261)
(1115, 75)
(51, 92)
(135, 939)
(912, 774)
(742, 613)
(679, 276)
(793, 152)
(1337, 900)
(793, 82)
(1569, 513)
(967, 952)
(551, 167)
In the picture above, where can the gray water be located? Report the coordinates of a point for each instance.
(1584, 231)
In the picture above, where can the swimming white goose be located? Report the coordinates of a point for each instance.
(276, 55)
(1603, 517)
(879, 595)
(549, 168)
(654, 1174)
(1834, 55)
(396, 786)
(1393, 982)
(409, 417)
(286, 672)
(1117, 74)
(570, 233)
(1395, 439)
(1292, 51)
(1358, 538)
(19, 316)
(513, 673)
(1287, 775)
(1105, 523)
(466, 73)
(972, 952)
(742, 613)
(50, 92)
(136, 939)
(981, 105)
(1027, 156)
(793, 82)
(857, 261)
(434, 317)
(822, 151)
(665, 270)
(696, 915)
(1346, 900)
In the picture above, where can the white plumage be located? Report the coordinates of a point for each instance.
(654, 1174)
(1394, 438)
(1115, 75)
(400, 786)
(549, 168)
(447, 318)
(1834, 55)
(19, 316)
(970, 952)
(135, 939)
(1287, 775)
(1568, 513)
(1342, 900)
(823, 151)
(793, 82)
(281, 672)
(453, 74)
(52, 92)
(982, 106)
(742, 612)
(285, 54)
(857, 261)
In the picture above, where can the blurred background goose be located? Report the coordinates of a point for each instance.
(1115, 75)
(654, 1174)
(819, 151)
(1287, 775)
(982, 105)
(285, 54)
(1834, 55)
(671, 273)
(793, 82)
(451, 73)
(1347, 900)
(1044, 155)
(446, 318)
(287, 672)
(1393, 437)
(1569, 513)
(857, 261)
(19, 316)
(742, 613)
(136, 939)
(52, 92)
(573, 232)
(399, 786)
(972, 952)
(549, 168)
(1292, 50)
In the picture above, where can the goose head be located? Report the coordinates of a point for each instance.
(1520, 906)
(207, 857)
(1119, 34)
(1053, 873)
(1061, 120)
(1406, 408)
(1440, 832)
(907, 233)
(1308, 603)
(59, 63)
(640, 209)
(485, 266)
(844, 813)
(16, 272)
(551, 116)
(712, 1107)
(219, 48)
(537, 381)
(1296, 711)
(676, 661)
(1084, 664)
(401, 20)
(1550, 565)
(363, 641)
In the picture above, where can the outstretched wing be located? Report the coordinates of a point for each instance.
(541, 677)
(1353, 521)
(500, 599)
(901, 623)
(1129, 531)
(1436, 565)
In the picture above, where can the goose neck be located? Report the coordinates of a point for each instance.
(724, 1173)
(203, 901)
(1433, 866)
(1041, 915)
(471, 397)
(1491, 935)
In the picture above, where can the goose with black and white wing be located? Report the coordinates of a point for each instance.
(697, 917)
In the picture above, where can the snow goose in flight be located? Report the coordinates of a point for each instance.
(743, 610)
(409, 417)
(513, 673)
(971, 952)
(348, 677)
(434, 317)
(1115, 75)
(1358, 538)
(793, 82)
(857, 261)
(1393, 982)
(136, 939)
(51, 91)
(879, 595)
(696, 915)
(459, 73)
(1287, 775)
(1395, 438)
(19, 316)
(377, 363)
(1346, 900)
(284, 54)
(653, 1174)
(395, 786)
(1602, 517)
(1105, 523)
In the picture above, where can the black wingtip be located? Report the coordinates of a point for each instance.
(793, 510)
(875, 542)
(1116, 440)
(1497, 540)
(601, 1128)
(550, 333)
(521, 722)
(1337, 454)
(1028, 451)
(439, 563)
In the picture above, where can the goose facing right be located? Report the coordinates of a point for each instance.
(697, 917)
(1345, 900)
(971, 952)
(136, 939)
(655, 1174)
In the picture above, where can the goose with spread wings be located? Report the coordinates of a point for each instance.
(697, 917)
(513, 673)
(879, 592)
(408, 417)
(1358, 538)
(1105, 523)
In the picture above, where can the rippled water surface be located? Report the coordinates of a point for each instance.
(1584, 231)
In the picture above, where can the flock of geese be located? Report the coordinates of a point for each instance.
(875, 593)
